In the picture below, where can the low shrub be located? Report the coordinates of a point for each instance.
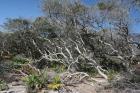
(111, 74)
(32, 81)
(36, 81)
(56, 84)
(18, 60)
(3, 85)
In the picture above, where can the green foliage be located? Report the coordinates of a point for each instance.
(32, 81)
(85, 68)
(3, 85)
(17, 61)
(112, 63)
(104, 6)
(40, 81)
(35, 81)
(20, 60)
(56, 84)
(90, 70)
(44, 78)
(93, 72)
(17, 24)
(59, 68)
(101, 6)
(111, 74)
(57, 79)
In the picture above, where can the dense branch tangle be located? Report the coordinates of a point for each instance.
(68, 47)
(69, 52)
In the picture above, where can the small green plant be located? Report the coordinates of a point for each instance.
(3, 85)
(57, 79)
(57, 67)
(36, 81)
(43, 78)
(32, 81)
(56, 84)
(17, 61)
(111, 74)
(90, 70)
(101, 6)
(20, 60)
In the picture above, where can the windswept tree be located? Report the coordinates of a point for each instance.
(77, 35)
(77, 20)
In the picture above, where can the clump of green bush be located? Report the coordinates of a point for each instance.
(19, 60)
(36, 82)
(56, 83)
(58, 68)
(3, 85)
(111, 74)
